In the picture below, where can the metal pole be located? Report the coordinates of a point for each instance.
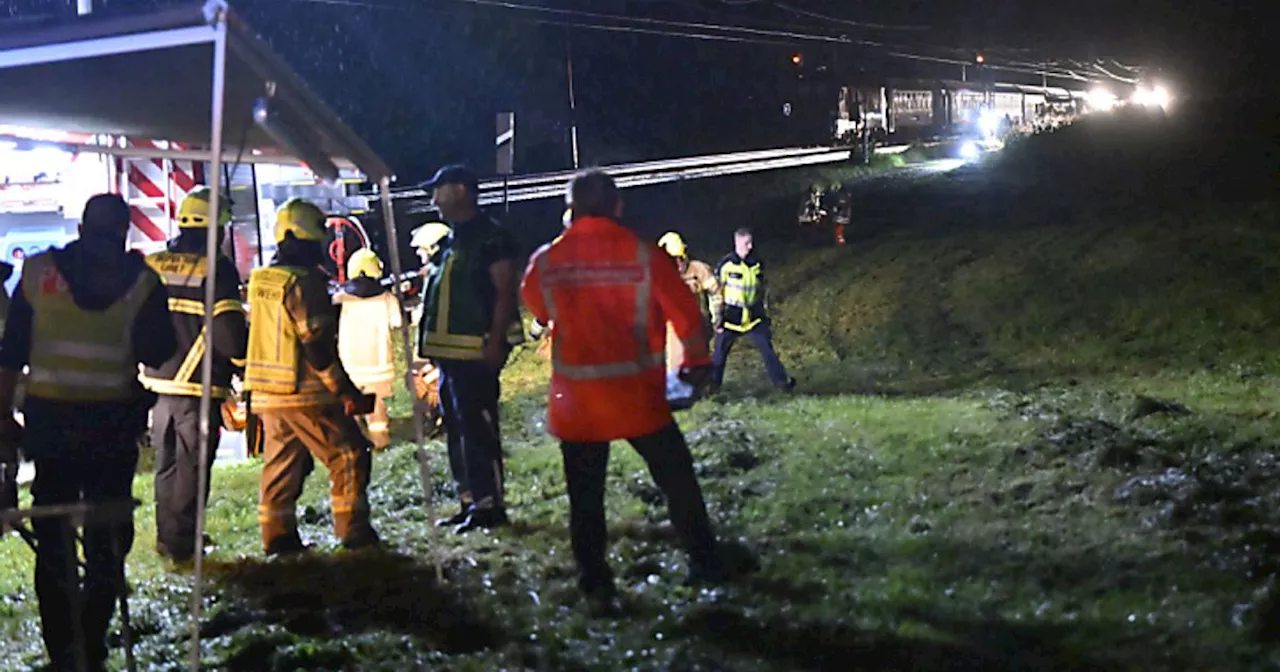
(419, 432)
(210, 285)
(573, 103)
(75, 595)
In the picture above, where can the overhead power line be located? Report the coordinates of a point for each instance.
(847, 22)
(688, 30)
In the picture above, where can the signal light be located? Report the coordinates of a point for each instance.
(797, 59)
(980, 59)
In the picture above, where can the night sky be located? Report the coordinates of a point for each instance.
(422, 79)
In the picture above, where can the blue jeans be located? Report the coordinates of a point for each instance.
(762, 338)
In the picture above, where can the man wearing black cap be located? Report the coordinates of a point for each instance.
(470, 320)
(82, 318)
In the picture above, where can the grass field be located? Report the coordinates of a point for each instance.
(1035, 431)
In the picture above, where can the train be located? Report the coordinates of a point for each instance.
(916, 110)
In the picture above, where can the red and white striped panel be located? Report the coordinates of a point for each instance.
(155, 188)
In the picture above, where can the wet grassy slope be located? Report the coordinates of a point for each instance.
(1035, 431)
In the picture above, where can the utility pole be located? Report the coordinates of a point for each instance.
(573, 103)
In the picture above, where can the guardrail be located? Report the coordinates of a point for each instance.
(647, 173)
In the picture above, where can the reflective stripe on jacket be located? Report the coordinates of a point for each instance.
(608, 297)
(276, 372)
(743, 293)
(79, 355)
(184, 276)
(459, 298)
(364, 338)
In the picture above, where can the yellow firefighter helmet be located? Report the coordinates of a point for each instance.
(303, 219)
(194, 211)
(364, 262)
(428, 236)
(673, 244)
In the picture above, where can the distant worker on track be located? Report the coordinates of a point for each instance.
(608, 296)
(370, 312)
(175, 421)
(82, 319)
(302, 392)
(704, 285)
(745, 311)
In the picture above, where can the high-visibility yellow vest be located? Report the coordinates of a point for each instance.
(275, 370)
(79, 355)
(741, 282)
(184, 275)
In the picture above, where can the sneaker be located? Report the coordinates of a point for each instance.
(789, 385)
(486, 519)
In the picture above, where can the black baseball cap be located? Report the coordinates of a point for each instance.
(454, 174)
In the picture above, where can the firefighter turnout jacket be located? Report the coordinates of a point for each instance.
(744, 292)
(293, 325)
(705, 287)
(184, 273)
(608, 297)
(369, 315)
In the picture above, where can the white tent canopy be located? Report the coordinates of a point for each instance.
(195, 75)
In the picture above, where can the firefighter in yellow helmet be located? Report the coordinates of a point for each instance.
(700, 280)
(370, 312)
(81, 320)
(427, 241)
(301, 390)
(175, 420)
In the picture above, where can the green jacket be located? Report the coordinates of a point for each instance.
(460, 298)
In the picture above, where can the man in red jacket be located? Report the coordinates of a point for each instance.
(608, 297)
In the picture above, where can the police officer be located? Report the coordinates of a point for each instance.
(82, 318)
(175, 421)
(742, 277)
(301, 391)
(470, 321)
(370, 313)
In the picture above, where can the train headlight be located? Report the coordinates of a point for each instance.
(1156, 96)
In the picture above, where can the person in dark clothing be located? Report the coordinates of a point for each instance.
(742, 279)
(82, 318)
(175, 421)
(469, 323)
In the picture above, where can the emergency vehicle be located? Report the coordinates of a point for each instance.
(46, 177)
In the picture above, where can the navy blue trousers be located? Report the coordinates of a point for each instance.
(762, 338)
(469, 405)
